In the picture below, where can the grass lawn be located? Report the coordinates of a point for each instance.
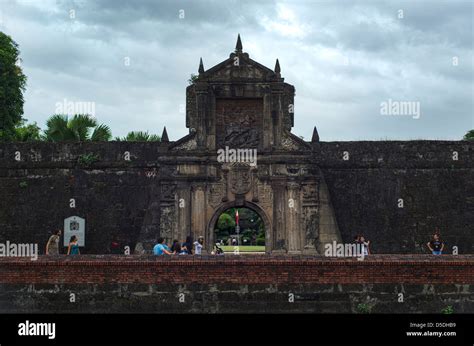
(244, 248)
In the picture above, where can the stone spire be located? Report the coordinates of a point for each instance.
(315, 137)
(277, 67)
(201, 67)
(164, 135)
(238, 46)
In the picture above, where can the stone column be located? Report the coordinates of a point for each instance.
(184, 212)
(267, 120)
(198, 212)
(310, 217)
(293, 207)
(202, 114)
(280, 243)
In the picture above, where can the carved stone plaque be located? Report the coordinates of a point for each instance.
(239, 122)
(240, 179)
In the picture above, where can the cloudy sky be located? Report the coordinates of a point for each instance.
(346, 59)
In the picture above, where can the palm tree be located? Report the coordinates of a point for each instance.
(60, 128)
(139, 136)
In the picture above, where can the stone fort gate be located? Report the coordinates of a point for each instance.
(241, 104)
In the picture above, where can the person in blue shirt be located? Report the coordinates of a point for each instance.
(73, 248)
(160, 248)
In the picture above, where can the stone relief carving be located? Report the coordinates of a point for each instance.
(168, 191)
(310, 193)
(167, 222)
(240, 178)
(311, 222)
(265, 194)
(239, 122)
(289, 143)
(216, 194)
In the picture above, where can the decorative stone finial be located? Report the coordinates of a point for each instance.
(164, 135)
(277, 67)
(315, 137)
(201, 67)
(238, 46)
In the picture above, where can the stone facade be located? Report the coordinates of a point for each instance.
(241, 104)
(307, 193)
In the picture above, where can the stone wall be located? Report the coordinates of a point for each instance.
(238, 284)
(113, 194)
(437, 191)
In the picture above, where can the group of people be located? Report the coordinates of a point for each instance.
(435, 245)
(188, 247)
(359, 239)
(52, 246)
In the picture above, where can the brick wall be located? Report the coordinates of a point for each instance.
(237, 285)
(422, 269)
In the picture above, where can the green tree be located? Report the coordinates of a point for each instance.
(139, 136)
(469, 136)
(226, 222)
(193, 78)
(12, 87)
(60, 128)
(27, 133)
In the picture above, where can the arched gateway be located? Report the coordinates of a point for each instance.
(246, 204)
(240, 152)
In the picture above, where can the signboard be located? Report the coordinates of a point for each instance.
(75, 225)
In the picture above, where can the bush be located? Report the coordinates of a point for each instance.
(260, 241)
(448, 310)
(87, 159)
(364, 308)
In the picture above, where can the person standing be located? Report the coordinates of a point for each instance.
(198, 246)
(52, 246)
(365, 245)
(114, 247)
(73, 248)
(436, 245)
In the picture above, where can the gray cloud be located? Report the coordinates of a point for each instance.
(344, 59)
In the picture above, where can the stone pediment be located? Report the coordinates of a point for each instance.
(292, 143)
(187, 142)
(239, 67)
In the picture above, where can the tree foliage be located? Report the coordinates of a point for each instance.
(469, 136)
(139, 136)
(27, 133)
(12, 87)
(226, 222)
(60, 128)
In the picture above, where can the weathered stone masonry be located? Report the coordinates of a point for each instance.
(122, 197)
(238, 284)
